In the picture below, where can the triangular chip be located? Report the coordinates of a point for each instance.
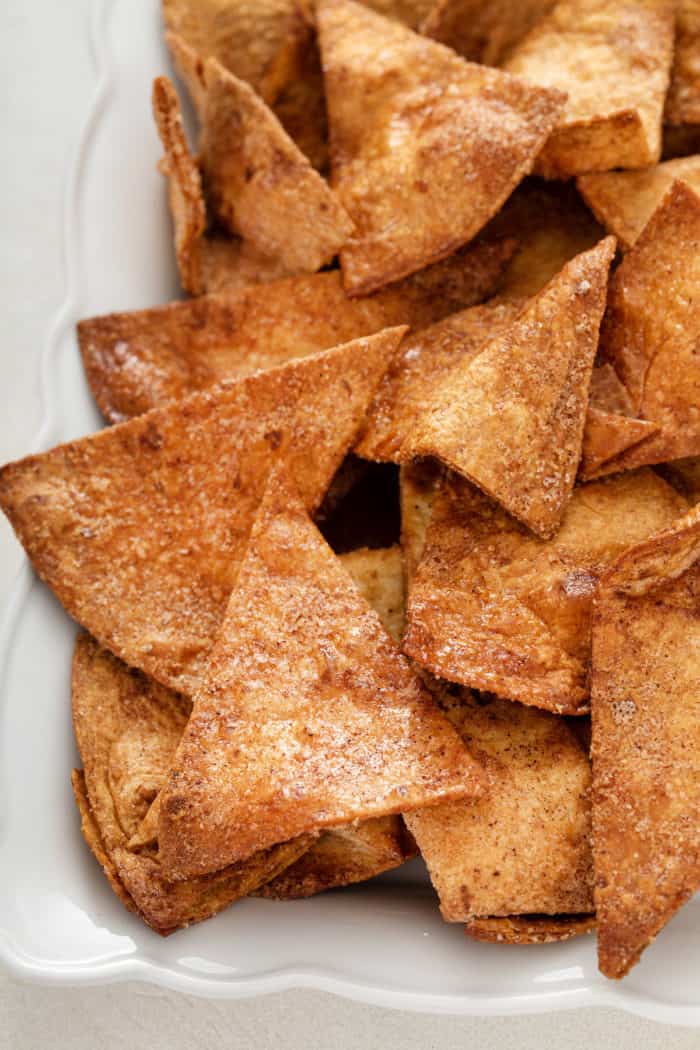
(523, 848)
(613, 59)
(139, 529)
(426, 358)
(418, 483)
(683, 99)
(260, 185)
(343, 857)
(424, 147)
(651, 330)
(309, 716)
(606, 436)
(624, 201)
(512, 419)
(483, 32)
(529, 929)
(127, 728)
(551, 224)
(646, 741)
(138, 360)
(494, 607)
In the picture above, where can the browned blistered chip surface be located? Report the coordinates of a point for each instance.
(512, 419)
(494, 607)
(529, 929)
(645, 707)
(424, 147)
(139, 529)
(524, 847)
(309, 716)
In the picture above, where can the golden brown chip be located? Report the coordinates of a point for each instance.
(483, 32)
(127, 729)
(624, 201)
(683, 100)
(418, 482)
(309, 717)
(184, 185)
(139, 529)
(425, 360)
(258, 182)
(523, 848)
(551, 225)
(606, 436)
(244, 35)
(344, 856)
(378, 575)
(138, 360)
(646, 741)
(228, 264)
(613, 60)
(529, 929)
(512, 419)
(651, 330)
(496, 608)
(424, 147)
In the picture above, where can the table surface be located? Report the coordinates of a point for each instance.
(47, 74)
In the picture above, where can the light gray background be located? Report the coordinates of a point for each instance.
(47, 77)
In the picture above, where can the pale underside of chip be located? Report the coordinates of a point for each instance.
(646, 741)
(425, 147)
(512, 419)
(493, 607)
(611, 119)
(303, 669)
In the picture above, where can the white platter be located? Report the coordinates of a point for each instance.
(383, 943)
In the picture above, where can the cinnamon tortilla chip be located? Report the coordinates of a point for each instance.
(606, 436)
(228, 264)
(512, 419)
(646, 741)
(302, 668)
(138, 360)
(551, 225)
(343, 857)
(483, 32)
(613, 60)
(651, 330)
(493, 607)
(683, 99)
(418, 482)
(529, 929)
(260, 185)
(425, 360)
(127, 728)
(424, 147)
(139, 529)
(624, 201)
(378, 575)
(523, 848)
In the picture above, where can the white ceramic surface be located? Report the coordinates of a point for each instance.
(59, 922)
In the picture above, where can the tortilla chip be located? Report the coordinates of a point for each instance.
(138, 360)
(184, 185)
(418, 482)
(424, 148)
(483, 32)
(127, 729)
(512, 419)
(244, 35)
(683, 99)
(612, 117)
(425, 361)
(624, 201)
(260, 185)
(684, 475)
(139, 529)
(551, 225)
(606, 436)
(530, 929)
(646, 741)
(524, 848)
(378, 575)
(303, 669)
(343, 857)
(651, 331)
(498, 609)
(228, 264)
